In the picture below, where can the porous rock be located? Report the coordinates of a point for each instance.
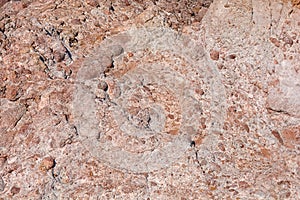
(117, 91)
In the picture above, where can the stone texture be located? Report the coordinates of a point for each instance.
(149, 105)
(149, 99)
(47, 163)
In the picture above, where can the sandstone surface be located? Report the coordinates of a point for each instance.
(149, 99)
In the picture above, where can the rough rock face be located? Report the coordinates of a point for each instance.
(149, 99)
(152, 102)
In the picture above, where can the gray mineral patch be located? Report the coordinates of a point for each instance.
(2, 184)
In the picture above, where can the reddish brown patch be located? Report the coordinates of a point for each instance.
(265, 152)
(212, 187)
(199, 91)
(93, 3)
(129, 66)
(245, 127)
(199, 139)
(275, 41)
(202, 122)
(214, 55)
(47, 163)
(243, 184)
(277, 135)
(291, 136)
(130, 54)
(173, 132)
(15, 190)
(273, 83)
(232, 56)
(171, 116)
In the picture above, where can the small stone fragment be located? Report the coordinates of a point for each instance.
(47, 163)
(93, 67)
(12, 92)
(93, 3)
(275, 41)
(199, 91)
(243, 184)
(15, 190)
(130, 54)
(232, 56)
(214, 55)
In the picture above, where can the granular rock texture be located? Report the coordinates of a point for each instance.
(152, 109)
(149, 99)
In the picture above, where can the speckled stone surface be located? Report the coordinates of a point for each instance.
(149, 99)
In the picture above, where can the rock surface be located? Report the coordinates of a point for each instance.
(149, 99)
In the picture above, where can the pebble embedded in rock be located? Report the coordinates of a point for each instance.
(232, 56)
(214, 55)
(15, 190)
(47, 163)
